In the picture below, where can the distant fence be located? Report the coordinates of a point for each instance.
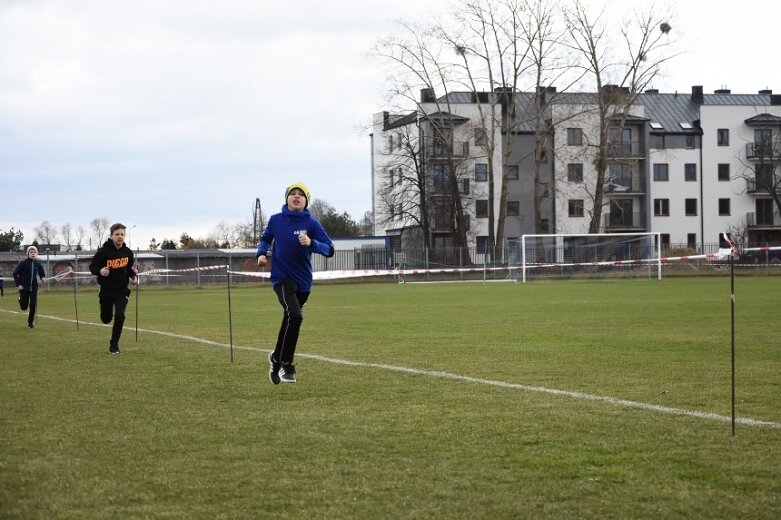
(207, 266)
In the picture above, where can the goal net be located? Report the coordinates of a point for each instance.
(601, 255)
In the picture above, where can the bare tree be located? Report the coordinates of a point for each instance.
(99, 227)
(45, 233)
(224, 234)
(67, 235)
(619, 80)
(421, 62)
(403, 192)
(78, 237)
(366, 224)
(494, 50)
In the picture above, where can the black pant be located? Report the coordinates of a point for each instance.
(114, 302)
(292, 301)
(28, 299)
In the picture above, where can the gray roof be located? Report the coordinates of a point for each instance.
(736, 99)
(764, 119)
(670, 110)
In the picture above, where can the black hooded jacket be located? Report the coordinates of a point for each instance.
(27, 273)
(120, 263)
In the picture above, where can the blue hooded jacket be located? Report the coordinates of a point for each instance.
(291, 260)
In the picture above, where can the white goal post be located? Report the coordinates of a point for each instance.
(598, 255)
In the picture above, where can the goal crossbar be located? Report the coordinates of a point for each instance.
(557, 243)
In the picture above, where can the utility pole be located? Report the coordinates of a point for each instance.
(257, 222)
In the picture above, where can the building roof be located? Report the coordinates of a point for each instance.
(764, 119)
(669, 111)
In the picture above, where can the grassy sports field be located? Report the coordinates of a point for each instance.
(606, 399)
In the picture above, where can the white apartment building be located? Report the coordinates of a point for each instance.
(688, 166)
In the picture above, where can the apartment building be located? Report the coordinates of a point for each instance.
(686, 165)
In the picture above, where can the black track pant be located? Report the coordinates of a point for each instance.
(113, 303)
(28, 299)
(292, 301)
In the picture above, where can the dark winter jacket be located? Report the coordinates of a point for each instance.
(291, 260)
(25, 274)
(120, 263)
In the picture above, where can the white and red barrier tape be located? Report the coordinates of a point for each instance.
(360, 273)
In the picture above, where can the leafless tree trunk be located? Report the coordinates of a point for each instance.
(99, 227)
(45, 233)
(620, 79)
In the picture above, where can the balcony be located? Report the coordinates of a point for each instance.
(440, 149)
(625, 221)
(634, 184)
(760, 185)
(763, 152)
(763, 220)
(625, 149)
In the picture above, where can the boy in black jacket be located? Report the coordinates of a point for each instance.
(113, 265)
(26, 277)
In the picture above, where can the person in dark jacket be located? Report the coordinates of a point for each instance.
(26, 277)
(295, 235)
(113, 265)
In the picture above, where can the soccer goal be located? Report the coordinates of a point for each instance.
(601, 255)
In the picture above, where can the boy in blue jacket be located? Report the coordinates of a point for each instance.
(295, 235)
(26, 277)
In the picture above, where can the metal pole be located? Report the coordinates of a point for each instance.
(75, 302)
(732, 320)
(138, 287)
(230, 314)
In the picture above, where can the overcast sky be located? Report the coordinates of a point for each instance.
(175, 115)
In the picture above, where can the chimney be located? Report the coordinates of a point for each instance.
(543, 92)
(766, 91)
(722, 91)
(697, 96)
(427, 95)
(652, 91)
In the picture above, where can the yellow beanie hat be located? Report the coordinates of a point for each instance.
(301, 186)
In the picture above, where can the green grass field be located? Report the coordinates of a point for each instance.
(413, 401)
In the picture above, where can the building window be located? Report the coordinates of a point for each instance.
(664, 241)
(620, 177)
(657, 141)
(661, 207)
(576, 207)
(481, 138)
(690, 172)
(575, 172)
(689, 141)
(722, 137)
(481, 208)
(661, 172)
(513, 208)
(544, 226)
(691, 207)
(574, 136)
(724, 171)
(763, 142)
(512, 172)
(441, 176)
(464, 184)
(467, 223)
(691, 240)
(481, 172)
(481, 244)
(724, 207)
